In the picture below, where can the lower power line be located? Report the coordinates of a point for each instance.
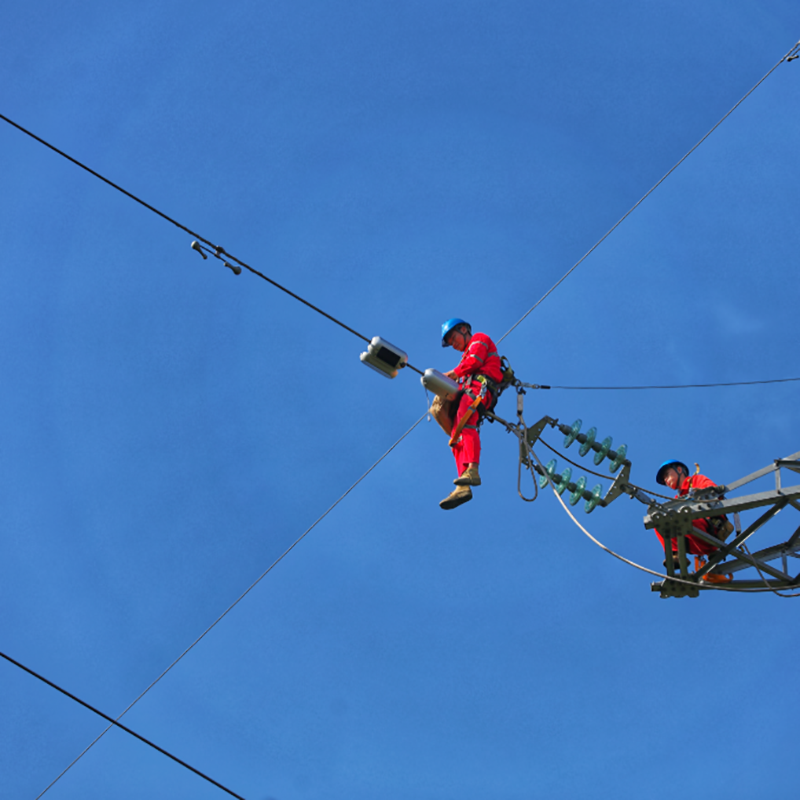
(229, 609)
(120, 725)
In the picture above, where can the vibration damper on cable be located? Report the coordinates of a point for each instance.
(197, 246)
(235, 268)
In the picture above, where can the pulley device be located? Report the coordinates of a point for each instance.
(384, 357)
(439, 384)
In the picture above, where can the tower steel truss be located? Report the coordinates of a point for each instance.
(674, 520)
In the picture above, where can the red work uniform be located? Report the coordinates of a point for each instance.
(480, 358)
(694, 545)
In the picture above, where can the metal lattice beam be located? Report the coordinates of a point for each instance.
(674, 520)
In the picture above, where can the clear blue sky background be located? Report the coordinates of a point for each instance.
(169, 428)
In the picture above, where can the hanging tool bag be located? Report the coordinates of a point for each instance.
(444, 411)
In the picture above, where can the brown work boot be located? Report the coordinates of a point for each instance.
(459, 495)
(469, 477)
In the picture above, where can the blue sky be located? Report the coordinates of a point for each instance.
(170, 429)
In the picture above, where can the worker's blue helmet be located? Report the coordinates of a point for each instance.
(449, 325)
(665, 466)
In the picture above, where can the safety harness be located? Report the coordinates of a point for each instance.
(477, 400)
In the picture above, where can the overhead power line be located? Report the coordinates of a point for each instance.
(216, 250)
(219, 251)
(119, 725)
(671, 386)
(790, 56)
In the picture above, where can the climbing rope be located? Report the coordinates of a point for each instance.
(523, 438)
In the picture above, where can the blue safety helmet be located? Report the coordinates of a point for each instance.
(665, 466)
(449, 325)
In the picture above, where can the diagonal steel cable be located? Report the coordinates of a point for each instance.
(790, 56)
(233, 605)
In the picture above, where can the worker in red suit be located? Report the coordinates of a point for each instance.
(478, 373)
(675, 474)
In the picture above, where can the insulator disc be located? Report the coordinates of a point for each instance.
(565, 476)
(593, 502)
(580, 485)
(603, 451)
(550, 469)
(573, 434)
(622, 452)
(587, 445)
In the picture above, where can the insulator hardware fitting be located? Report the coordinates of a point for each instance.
(577, 489)
(587, 441)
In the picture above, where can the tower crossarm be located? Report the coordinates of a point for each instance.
(694, 507)
(791, 462)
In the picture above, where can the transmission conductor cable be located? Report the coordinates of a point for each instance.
(115, 723)
(215, 250)
(667, 386)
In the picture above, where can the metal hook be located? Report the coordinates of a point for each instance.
(523, 438)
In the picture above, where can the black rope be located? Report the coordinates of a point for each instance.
(216, 250)
(676, 386)
(120, 725)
